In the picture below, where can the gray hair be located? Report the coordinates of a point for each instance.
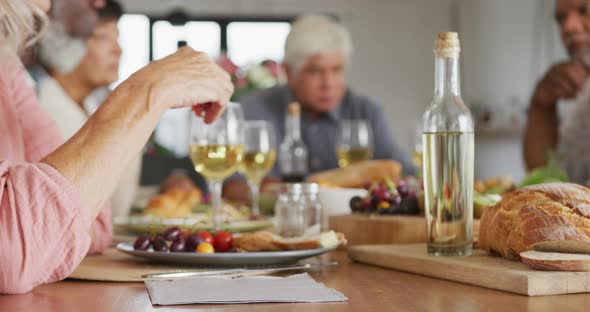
(315, 34)
(21, 24)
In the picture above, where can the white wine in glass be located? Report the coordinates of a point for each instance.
(216, 161)
(355, 143)
(259, 156)
(256, 165)
(216, 151)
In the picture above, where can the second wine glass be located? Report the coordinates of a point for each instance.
(216, 151)
(355, 143)
(259, 156)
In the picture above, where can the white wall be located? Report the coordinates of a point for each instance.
(393, 41)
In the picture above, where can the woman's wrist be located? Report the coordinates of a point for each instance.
(141, 92)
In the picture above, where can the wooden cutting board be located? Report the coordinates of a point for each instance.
(363, 229)
(479, 269)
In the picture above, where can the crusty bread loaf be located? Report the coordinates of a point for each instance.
(175, 203)
(356, 175)
(550, 217)
(555, 261)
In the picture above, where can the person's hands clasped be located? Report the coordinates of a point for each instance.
(187, 78)
(562, 81)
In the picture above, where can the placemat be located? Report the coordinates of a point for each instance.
(115, 266)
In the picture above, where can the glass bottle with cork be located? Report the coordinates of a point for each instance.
(448, 165)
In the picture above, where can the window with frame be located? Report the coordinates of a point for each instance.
(246, 41)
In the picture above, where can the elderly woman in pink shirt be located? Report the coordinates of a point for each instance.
(52, 194)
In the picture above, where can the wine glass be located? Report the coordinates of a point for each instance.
(355, 143)
(259, 156)
(216, 151)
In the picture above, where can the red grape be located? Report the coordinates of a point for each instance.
(172, 233)
(178, 245)
(142, 242)
(191, 243)
(159, 244)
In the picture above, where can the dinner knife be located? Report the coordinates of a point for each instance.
(236, 272)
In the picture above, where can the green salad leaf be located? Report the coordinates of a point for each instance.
(547, 174)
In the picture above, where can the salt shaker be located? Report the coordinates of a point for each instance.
(314, 218)
(290, 210)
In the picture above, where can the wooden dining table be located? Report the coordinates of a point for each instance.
(368, 288)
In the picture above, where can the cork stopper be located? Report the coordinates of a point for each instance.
(294, 109)
(447, 45)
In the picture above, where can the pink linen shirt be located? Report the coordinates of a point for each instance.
(44, 227)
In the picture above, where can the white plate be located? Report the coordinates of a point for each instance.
(224, 259)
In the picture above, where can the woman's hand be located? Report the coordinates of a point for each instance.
(186, 78)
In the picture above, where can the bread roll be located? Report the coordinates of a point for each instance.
(174, 203)
(357, 175)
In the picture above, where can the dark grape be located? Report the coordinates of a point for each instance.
(159, 244)
(172, 233)
(178, 245)
(191, 242)
(142, 242)
(355, 203)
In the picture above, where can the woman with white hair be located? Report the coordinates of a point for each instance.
(51, 194)
(71, 96)
(317, 55)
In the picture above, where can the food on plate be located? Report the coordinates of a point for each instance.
(175, 203)
(172, 233)
(223, 241)
(205, 236)
(257, 241)
(552, 217)
(267, 241)
(159, 244)
(142, 242)
(175, 240)
(388, 197)
(555, 261)
(177, 180)
(359, 174)
(192, 241)
(205, 248)
(178, 245)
